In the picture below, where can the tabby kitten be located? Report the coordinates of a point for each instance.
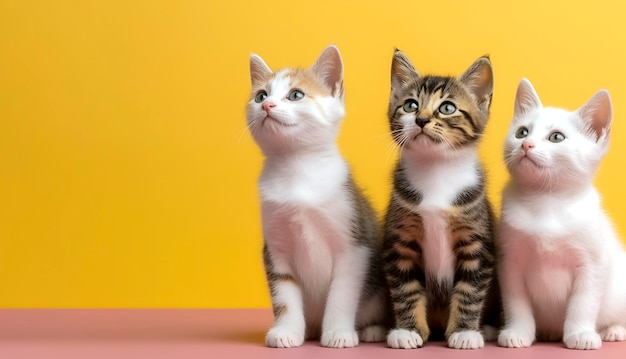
(562, 263)
(321, 238)
(438, 243)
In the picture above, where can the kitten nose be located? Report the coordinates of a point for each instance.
(527, 146)
(267, 105)
(421, 121)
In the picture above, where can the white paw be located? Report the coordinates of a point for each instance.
(511, 338)
(468, 339)
(583, 340)
(614, 333)
(373, 333)
(346, 338)
(404, 339)
(282, 337)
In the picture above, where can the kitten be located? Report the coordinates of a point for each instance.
(321, 234)
(561, 264)
(438, 241)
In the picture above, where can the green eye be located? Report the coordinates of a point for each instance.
(556, 137)
(522, 132)
(260, 97)
(410, 106)
(447, 108)
(295, 95)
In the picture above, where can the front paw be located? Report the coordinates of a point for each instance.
(283, 337)
(510, 338)
(614, 333)
(468, 339)
(404, 339)
(583, 340)
(346, 338)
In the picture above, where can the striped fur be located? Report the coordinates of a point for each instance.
(439, 249)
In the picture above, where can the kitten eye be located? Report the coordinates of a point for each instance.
(260, 97)
(410, 106)
(295, 95)
(556, 137)
(447, 108)
(521, 132)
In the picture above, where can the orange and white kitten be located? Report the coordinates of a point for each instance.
(321, 234)
(561, 263)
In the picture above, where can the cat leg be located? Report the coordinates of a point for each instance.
(409, 309)
(338, 326)
(472, 282)
(579, 330)
(289, 323)
(519, 328)
(613, 333)
(406, 282)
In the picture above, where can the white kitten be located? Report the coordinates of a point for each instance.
(321, 236)
(561, 264)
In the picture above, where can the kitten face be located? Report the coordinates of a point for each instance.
(549, 147)
(296, 107)
(438, 115)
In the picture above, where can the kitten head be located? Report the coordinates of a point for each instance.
(433, 116)
(550, 148)
(294, 108)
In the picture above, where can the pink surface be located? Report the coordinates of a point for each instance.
(206, 333)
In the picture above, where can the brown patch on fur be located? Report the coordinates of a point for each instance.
(471, 265)
(306, 81)
(409, 227)
(453, 319)
(405, 252)
(421, 320)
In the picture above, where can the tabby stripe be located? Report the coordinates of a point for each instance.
(403, 188)
(469, 118)
(280, 277)
(468, 195)
(279, 310)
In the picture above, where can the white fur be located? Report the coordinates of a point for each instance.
(404, 339)
(307, 213)
(561, 259)
(468, 339)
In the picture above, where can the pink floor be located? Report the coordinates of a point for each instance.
(206, 334)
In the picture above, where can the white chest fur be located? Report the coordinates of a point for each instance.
(439, 184)
(553, 216)
(555, 239)
(306, 216)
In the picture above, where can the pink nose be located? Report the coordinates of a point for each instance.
(267, 105)
(527, 146)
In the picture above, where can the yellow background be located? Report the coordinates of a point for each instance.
(127, 175)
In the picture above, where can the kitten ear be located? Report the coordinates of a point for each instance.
(329, 68)
(479, 79)
(598, 114)
(526, 98)
(402, 70)
(259, 71)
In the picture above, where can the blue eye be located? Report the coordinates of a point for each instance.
(447, 108)
(522, 132)
(410, 106)
(556, 137)
(260, 97)
(295, 95)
